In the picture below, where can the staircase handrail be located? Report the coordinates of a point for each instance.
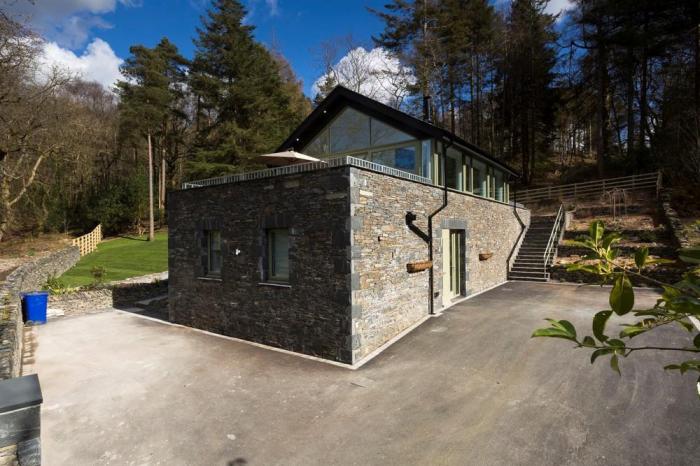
(554, 236)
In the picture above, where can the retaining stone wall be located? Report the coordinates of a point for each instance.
(673, 221)
(112, 295)
(386, 299)
(27, 277)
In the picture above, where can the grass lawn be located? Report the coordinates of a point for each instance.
(122, 258)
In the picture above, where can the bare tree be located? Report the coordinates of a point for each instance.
(31, 115)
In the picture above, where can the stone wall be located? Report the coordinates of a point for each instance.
(32, 275)
(27, 277)
(312, 314)
(386, 299)
(673, 221)
(118, 295)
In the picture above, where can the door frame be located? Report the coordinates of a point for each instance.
(453, 259)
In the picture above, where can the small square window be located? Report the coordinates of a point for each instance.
(214, 256)
(278, 255)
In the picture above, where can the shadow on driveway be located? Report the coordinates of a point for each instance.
(467, 387)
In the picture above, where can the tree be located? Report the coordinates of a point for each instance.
(677, 305)
(376, 73)
(242, 105)
(28, 138)
(146, 99)
(528, 75)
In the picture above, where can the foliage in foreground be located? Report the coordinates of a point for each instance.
(677, 304)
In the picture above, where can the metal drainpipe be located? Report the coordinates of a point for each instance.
(431, 286)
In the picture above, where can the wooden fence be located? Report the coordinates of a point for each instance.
(88, 242)
(567, 192)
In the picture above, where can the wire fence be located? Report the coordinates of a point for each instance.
(568, 192)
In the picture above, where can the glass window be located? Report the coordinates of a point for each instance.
(468, 181)
(403, 158)
(278, 255)
(453, 169)
(426, 157)
(319, 145)
(214, 257)
(350, 131)
(383, 134)
(479, 176)
(500, 193)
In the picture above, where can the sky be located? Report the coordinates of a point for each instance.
(92, 37)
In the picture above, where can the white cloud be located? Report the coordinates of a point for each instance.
(66, 22)
(558, 6)
(376, 74)
(97, 63)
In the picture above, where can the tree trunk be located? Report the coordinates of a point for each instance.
(162, 184)
(630, 103)
(151, 233)
(643, 111)
(601, 110)
(4, 206)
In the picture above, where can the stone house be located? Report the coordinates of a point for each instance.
(337, 258)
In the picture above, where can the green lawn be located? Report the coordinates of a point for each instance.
(122, 258)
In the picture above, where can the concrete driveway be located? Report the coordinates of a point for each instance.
(467, 387)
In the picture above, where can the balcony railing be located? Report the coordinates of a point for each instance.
(308, 167)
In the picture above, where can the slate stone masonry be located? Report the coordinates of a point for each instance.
(387, 299)
(349, 290)
(312, 314)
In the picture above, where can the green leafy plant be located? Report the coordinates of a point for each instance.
(678, 303)
(56, 286)
(647, 236)
(98, 274)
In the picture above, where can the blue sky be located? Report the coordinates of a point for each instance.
(82, 32)
(92, 37)
(295, 27)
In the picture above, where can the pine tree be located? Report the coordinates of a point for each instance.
(145, 100)
(243, 105)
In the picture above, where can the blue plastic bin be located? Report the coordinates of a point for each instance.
(34, 306)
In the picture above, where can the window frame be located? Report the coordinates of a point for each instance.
(270, 275)
(211, 252)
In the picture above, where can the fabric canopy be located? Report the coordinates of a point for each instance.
(289, 157)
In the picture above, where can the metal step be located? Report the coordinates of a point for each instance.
(533, 272)
(528, 279)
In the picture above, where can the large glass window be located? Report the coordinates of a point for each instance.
(453, 169)
(403, 158)
(479, 177)
(426, 157)
(278, 255)
(350, 131)
(383, 134)
(500, 193)
(356, 134)
(319, 146)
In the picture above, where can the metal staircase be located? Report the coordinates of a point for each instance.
(538, 249)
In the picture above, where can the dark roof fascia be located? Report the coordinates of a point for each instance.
(418, 128)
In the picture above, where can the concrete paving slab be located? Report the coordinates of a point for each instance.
(468, 387)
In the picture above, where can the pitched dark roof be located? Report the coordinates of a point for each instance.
(340, 97)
